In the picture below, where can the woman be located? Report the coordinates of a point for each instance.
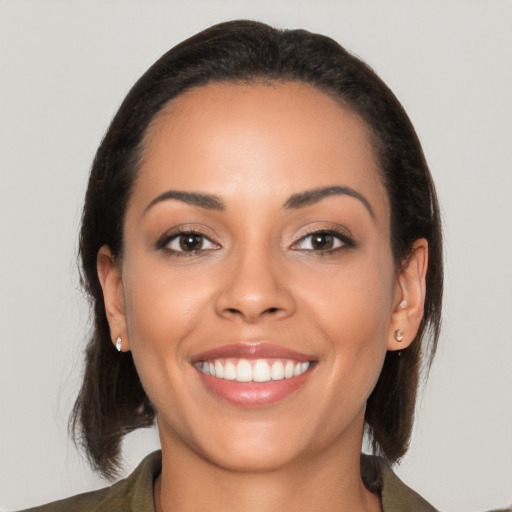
(262, 247)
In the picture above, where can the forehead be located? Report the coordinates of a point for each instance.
(277, 138)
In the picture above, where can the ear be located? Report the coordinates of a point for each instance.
(109, 275)
(409, 297)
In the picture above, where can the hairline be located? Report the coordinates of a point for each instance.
(268, 80)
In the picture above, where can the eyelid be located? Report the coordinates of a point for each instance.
(184, 230)
(204, 240)
(342, 234)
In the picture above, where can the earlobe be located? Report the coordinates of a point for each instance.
(109, 275)
(410, 297)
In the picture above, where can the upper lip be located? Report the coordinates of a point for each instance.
(251, 350)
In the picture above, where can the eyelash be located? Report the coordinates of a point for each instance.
(164, 243)
(344, 242)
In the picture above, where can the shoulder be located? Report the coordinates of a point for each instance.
(134, 493)
(378, 477)
(396, 496)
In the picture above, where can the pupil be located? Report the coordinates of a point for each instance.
(190, 242)
(322, 242)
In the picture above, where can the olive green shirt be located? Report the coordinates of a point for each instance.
(135, 493)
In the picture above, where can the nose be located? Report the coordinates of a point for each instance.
(254, 289)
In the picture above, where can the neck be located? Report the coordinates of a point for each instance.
(328, 481)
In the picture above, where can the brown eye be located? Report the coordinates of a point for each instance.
(323, 241)
(188, 243)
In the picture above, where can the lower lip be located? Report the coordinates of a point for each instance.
(253, 394)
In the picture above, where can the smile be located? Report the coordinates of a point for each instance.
(253, 370)
(253, 374)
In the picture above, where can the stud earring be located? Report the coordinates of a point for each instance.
(119, 343)
(399, 335)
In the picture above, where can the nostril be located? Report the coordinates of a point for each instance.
(235, 311)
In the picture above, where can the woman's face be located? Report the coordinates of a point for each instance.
(256, 247)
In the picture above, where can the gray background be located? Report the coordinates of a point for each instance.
(64, 68)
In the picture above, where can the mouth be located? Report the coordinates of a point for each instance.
(253, 370)
(251, 375)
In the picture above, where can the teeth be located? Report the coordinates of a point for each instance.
(230, 371)
(277, 371)
(243, 371)
(288, 370)
(258, 370)
(261, 372)
(219, 370)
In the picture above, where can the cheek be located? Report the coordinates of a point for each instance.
(356, 296)
(162, 302)
(163, 308)
(352, 307)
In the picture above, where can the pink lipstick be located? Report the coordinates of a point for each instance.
(253, 374)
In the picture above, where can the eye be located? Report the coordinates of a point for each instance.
(187, 242)
(323, 241)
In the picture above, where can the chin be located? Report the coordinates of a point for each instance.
(252, 459)
(244, 446)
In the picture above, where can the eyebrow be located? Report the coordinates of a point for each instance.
(310, 197)
(298, 200)
(207, 201)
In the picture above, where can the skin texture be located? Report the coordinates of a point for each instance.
(257, 278)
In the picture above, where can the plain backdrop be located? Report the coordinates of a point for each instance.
(65, 67)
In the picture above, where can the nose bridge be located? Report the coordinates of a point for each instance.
(254, 286)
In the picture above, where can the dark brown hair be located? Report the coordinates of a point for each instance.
(112, 402)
